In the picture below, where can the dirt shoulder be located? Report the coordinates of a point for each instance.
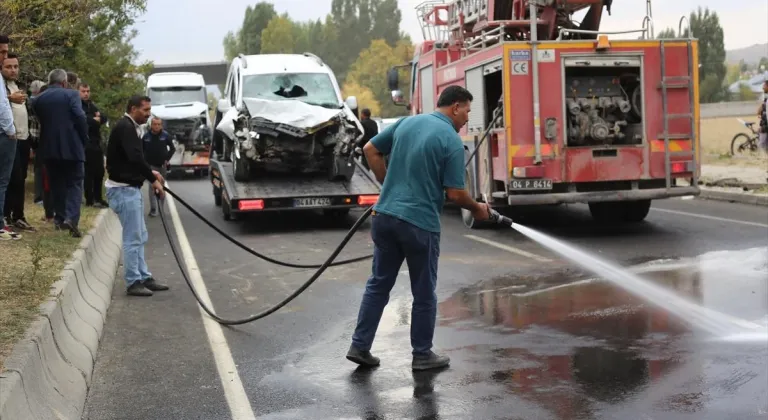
(30, 266)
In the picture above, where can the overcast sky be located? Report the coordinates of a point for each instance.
(165, 37)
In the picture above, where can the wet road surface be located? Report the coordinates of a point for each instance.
(530, 335)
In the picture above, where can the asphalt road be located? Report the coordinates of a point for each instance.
(527, 340)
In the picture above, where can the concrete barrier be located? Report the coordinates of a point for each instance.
(49, 371)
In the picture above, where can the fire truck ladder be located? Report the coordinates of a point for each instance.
(678, 82)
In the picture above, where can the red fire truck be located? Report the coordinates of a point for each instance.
(562, 113)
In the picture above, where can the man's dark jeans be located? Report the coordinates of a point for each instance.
(394, 241)
(66, 180)
(7, 156)
(15, 194)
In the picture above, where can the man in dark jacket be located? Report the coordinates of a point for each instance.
(158, 150)
(94, 155)
(64, 132)
(128, 170)
(370, 130)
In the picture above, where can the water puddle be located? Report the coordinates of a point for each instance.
(596, 347)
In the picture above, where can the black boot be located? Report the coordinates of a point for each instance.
(430, 361)
(138, 289)
(154, 286)
(360, 357)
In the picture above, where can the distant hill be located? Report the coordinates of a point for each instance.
(751, 55)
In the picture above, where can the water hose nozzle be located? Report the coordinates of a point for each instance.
(498, 218)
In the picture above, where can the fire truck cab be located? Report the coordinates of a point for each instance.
(562, 113)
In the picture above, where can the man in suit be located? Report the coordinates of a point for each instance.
(64, 133)
(370, 130)
(94, 155)
(128, 170)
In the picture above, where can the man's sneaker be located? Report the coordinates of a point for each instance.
(154, 286)
(153, 213)
(360, 357)
(430, 361)
(22, 224)
(138, 289)
(8, 235)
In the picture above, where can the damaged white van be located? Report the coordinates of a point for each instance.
(284, 113)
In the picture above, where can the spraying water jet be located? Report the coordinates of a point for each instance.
(709, 321)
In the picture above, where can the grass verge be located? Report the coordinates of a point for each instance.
(30, 266)
(716, 136)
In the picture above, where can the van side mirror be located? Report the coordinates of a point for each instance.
(351, 102)
(393, 79)
(223, 105)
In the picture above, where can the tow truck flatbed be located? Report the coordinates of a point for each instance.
(277, 192)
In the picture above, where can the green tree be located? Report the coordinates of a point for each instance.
(734, 74)
(705, 26)
(667, 33)
(361, 21)
(763, 65)
(370, 71)
(365, 98)
(279, 37)
(247, 40)
(90, 37)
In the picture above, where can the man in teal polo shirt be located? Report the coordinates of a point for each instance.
(426, 164)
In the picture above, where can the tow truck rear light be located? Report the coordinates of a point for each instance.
(681, 167)
(367, 200)
(245, 205)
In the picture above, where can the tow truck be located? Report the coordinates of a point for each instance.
(562, 113)
(274, 150)
(180, 100)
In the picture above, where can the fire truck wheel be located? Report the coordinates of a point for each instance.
(636, 211)
(620, 211)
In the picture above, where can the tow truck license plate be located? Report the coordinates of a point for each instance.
(311, 202)
(530, 184)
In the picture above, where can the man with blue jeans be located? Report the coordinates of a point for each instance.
(7, 146)
(426, 163)
(128, 170)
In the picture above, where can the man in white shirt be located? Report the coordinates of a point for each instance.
(14, 196)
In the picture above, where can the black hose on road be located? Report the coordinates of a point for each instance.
(251, 251)
(321, 268)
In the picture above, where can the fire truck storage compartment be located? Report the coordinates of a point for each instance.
(485, 84)
(603, 100)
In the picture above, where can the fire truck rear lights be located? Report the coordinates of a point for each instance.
(367, 200)
(682, 167)
(528, 172)
(245, 205)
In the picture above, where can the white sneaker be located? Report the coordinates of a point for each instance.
(8, 235)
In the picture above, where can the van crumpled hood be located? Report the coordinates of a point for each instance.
(290, 112)
(178, 111)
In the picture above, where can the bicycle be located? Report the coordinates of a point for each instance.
(750, 142)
